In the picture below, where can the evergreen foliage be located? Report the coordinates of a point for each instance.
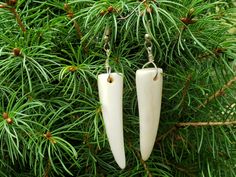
(51, 53)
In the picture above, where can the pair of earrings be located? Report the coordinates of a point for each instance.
(149, 93)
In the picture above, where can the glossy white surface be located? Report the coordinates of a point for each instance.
(111, 98)
(149, 92)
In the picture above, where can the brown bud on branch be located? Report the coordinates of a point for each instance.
(5, 115)
(11, 2)
(9, 120)
(16, 52)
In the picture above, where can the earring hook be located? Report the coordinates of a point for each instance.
(148, 44)
(107, 49)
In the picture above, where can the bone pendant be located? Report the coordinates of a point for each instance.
(111, 98)
(149, 92)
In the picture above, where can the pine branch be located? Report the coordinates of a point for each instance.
(218, 93)
(70, 15)
(187, 84)
(144, 165)
(185, 90)
(47, 169)
(193, 124)
(202, 124)
(141, 160)
(9, 6)
(77, 27)
(18, 19)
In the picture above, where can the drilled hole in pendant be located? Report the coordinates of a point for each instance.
(110, 79)
(156, 77)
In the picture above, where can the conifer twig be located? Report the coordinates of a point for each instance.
(193, 124)
(70, 15)
(16, 14)
(144, 165)
(47, 169)
(201, 124)
(186, 87)
(218, 93)
(77, 28)
(141, 160)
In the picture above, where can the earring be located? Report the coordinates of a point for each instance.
(149, 92)
(110, 87)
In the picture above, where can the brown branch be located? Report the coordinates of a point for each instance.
(70, 15)
(218, 93)
(141, 160)
(144, 165)
(192, 124)
(202, 124)
(186, 87)
(16, 14)
(187, 84)
(47, 169)
(9, 7)
(77, 28)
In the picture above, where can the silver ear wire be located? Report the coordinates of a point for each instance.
(107, 48)
(148, 44)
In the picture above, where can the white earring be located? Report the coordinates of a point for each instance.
(110, 87)
(149, 92)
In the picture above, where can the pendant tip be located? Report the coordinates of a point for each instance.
(145, 156)
(122, 164)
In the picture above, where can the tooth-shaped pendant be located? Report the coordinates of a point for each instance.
(110, 88)
(149, 91)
